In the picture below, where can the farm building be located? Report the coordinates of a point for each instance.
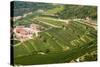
(24, 33)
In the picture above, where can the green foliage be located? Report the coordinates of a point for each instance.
(77, 11)
(21, 7)
(55, 10)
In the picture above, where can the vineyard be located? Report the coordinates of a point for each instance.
(60, 40)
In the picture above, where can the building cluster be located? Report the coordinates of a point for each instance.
(23, 33)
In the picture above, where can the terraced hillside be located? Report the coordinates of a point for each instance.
(53, 33)
(60, 41)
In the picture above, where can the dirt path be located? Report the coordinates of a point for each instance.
(66, 21)
(50, 24)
